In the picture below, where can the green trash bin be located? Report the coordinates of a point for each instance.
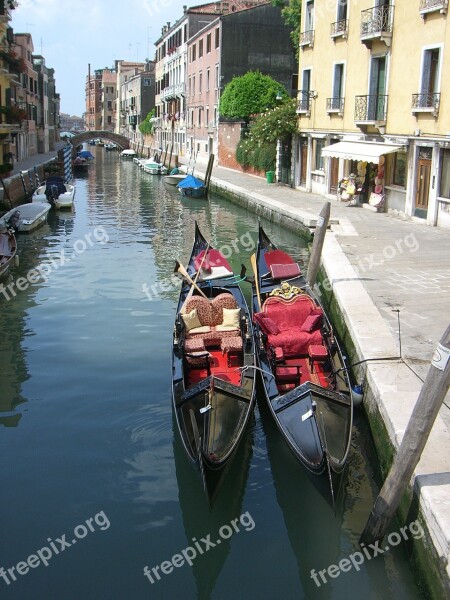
(269, 176)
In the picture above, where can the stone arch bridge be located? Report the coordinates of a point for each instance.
(120, 140)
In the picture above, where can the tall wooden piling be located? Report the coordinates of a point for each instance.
(319, 238)
(416, 435)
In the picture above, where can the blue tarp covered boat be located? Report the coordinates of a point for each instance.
(190, 186)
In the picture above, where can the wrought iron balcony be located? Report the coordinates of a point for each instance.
(376, 23)
(335, 105)
(426, 102)
(371, 109)
(304, 101)
(339, 29)
(307, 38)
(427, 6)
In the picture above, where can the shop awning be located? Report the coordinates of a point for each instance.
(366, 151)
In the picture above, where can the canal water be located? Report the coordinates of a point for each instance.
(95, 485)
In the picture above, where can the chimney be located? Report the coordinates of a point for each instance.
(184, 8)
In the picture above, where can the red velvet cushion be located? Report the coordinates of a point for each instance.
(267, 324)
(285, 271)
(295, 342)
(311, 322)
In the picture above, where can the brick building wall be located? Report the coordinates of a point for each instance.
(229, 136)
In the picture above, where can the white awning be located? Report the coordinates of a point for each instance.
(366, 151)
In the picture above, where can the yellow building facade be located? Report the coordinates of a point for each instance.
(374, 82)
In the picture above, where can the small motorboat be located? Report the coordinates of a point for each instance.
(175, 177)
(213, 364)
(191, 187)
(80, 164)
(55, 191)
(8, 249)
(26, 217)
(153, 167)
(303, 371)
(127, 154)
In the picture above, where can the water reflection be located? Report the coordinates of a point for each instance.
(201, 520)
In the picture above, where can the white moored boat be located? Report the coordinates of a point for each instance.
(26, 217)
(153, 167)
(55, 191)
(127, 154)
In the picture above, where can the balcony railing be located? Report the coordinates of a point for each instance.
(174, 90)
(427, 6)
(339, 29)
(335, 105)
(376, 23)
(371, 109)
(304, 101)
(426, 102)
(307, 38)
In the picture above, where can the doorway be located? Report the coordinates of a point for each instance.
(423, 187)
(303, 160)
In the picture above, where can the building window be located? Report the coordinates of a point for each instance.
(208, 43)
(399, 169)
(341, 10)
(338, 85)
(199, 122)
(147, 81)
(109, 105)
(200, 48)
(217, 77)
(207, 79)
(430, 71)
(444, 187)
(318, 158)
(309, 22)
(217, 37)
(194, 52)
(200, 80)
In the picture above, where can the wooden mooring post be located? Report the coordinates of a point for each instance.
(416, 435)
(319, 238)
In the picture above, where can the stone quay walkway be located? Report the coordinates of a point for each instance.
(378, 264)
(28, 164)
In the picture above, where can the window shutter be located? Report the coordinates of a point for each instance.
(426, 70)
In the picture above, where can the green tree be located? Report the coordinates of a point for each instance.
(249, 95)
(257, 148)
(146, 127)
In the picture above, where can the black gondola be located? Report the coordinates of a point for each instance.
(213, 386)
(305, 380)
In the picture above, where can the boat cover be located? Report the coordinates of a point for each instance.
(191, 182)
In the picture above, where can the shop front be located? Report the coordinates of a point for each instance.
(362, 169)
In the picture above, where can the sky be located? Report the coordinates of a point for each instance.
(70, 35)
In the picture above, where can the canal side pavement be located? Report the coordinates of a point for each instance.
(378, 264)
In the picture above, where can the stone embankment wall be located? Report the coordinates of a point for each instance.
(15, 193)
